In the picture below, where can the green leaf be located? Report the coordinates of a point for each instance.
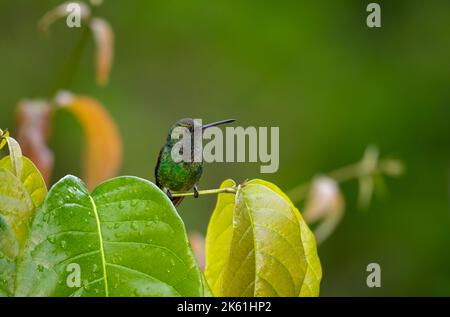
(206, 289)
(257, 244)
(20, 196)
(9, 249)
(126, 238)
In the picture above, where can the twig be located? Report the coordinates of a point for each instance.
(67, 74)
(231, 190)
(340, 175)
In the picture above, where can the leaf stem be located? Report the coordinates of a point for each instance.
(340, 175)
(231, 190)
(67, 74)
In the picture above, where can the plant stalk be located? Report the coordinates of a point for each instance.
(231, 190)
(340, 175)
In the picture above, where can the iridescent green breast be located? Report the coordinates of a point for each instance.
(177, 176)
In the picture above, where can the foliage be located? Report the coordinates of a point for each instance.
(258, 244)
(127, 239)
(22, 190)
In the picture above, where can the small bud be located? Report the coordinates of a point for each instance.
(326, 204)
(392, 167)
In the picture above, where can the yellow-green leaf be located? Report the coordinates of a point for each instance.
(15, 154)
(3, 135)
(311, 283)
(20, 196)
(218, 238)
(258, 245)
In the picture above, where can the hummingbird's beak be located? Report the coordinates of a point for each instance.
(209, 125)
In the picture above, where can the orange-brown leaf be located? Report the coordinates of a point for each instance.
(103, 152)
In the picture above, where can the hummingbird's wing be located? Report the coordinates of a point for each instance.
(175, 200)
(157, 168)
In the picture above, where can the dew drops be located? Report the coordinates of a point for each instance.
(40, 268)
(63, 245)
(95, 268)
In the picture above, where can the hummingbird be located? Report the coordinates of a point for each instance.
(181, 176)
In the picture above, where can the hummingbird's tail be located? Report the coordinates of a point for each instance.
(176, 201)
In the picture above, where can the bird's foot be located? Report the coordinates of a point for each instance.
(196, 194)
(169, 194)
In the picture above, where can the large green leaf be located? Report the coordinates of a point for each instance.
(22, 190)
(20, 196)
(126, 238)
(9, 249)
(257, 244)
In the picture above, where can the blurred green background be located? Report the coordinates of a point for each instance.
(313, 68)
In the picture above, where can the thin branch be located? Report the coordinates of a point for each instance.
(70, 67)
(340, 175)
(231, 190)
(67, 74)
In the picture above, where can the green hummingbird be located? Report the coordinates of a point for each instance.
(181, 176)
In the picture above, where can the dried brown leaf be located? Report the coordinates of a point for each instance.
(34, 121)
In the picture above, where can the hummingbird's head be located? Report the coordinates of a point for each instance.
(190, 124)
